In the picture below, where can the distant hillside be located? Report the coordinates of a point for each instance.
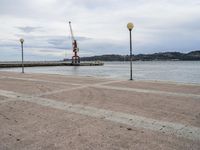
(194, 55)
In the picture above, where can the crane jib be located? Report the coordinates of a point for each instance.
(75, 49)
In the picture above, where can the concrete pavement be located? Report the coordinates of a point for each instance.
(43, 111)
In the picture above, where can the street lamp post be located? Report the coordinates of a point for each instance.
(22, 41)
(130, 26)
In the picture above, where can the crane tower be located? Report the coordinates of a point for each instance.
(75, 57)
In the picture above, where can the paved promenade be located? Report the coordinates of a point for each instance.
(56, 112)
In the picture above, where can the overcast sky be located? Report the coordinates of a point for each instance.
(99, 26)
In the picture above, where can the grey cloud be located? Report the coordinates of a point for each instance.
(161, 25)
(28, 29)
(56, 43)
(59, 40)
(64, 42)
(101, 46)
(46, 50)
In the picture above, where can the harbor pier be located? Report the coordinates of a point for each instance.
(47, 63)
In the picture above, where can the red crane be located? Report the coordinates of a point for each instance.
(75, 57)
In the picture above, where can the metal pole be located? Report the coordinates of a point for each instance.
(22, 57)
(131, 59)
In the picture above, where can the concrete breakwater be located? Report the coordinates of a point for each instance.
(47, 63)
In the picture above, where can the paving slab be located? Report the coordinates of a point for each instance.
(43, 111)
(36, 128)
(165, 108)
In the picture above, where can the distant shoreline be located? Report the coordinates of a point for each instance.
(165, 56)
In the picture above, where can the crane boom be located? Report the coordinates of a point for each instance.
(75, 49)
(72, 35)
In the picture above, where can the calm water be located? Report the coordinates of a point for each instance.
(177, 71)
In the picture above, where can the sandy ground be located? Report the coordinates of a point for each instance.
(43, 111)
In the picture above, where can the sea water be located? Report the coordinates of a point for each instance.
(175, 71)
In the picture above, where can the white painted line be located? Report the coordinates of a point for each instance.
(170, 128)
(149, 91)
